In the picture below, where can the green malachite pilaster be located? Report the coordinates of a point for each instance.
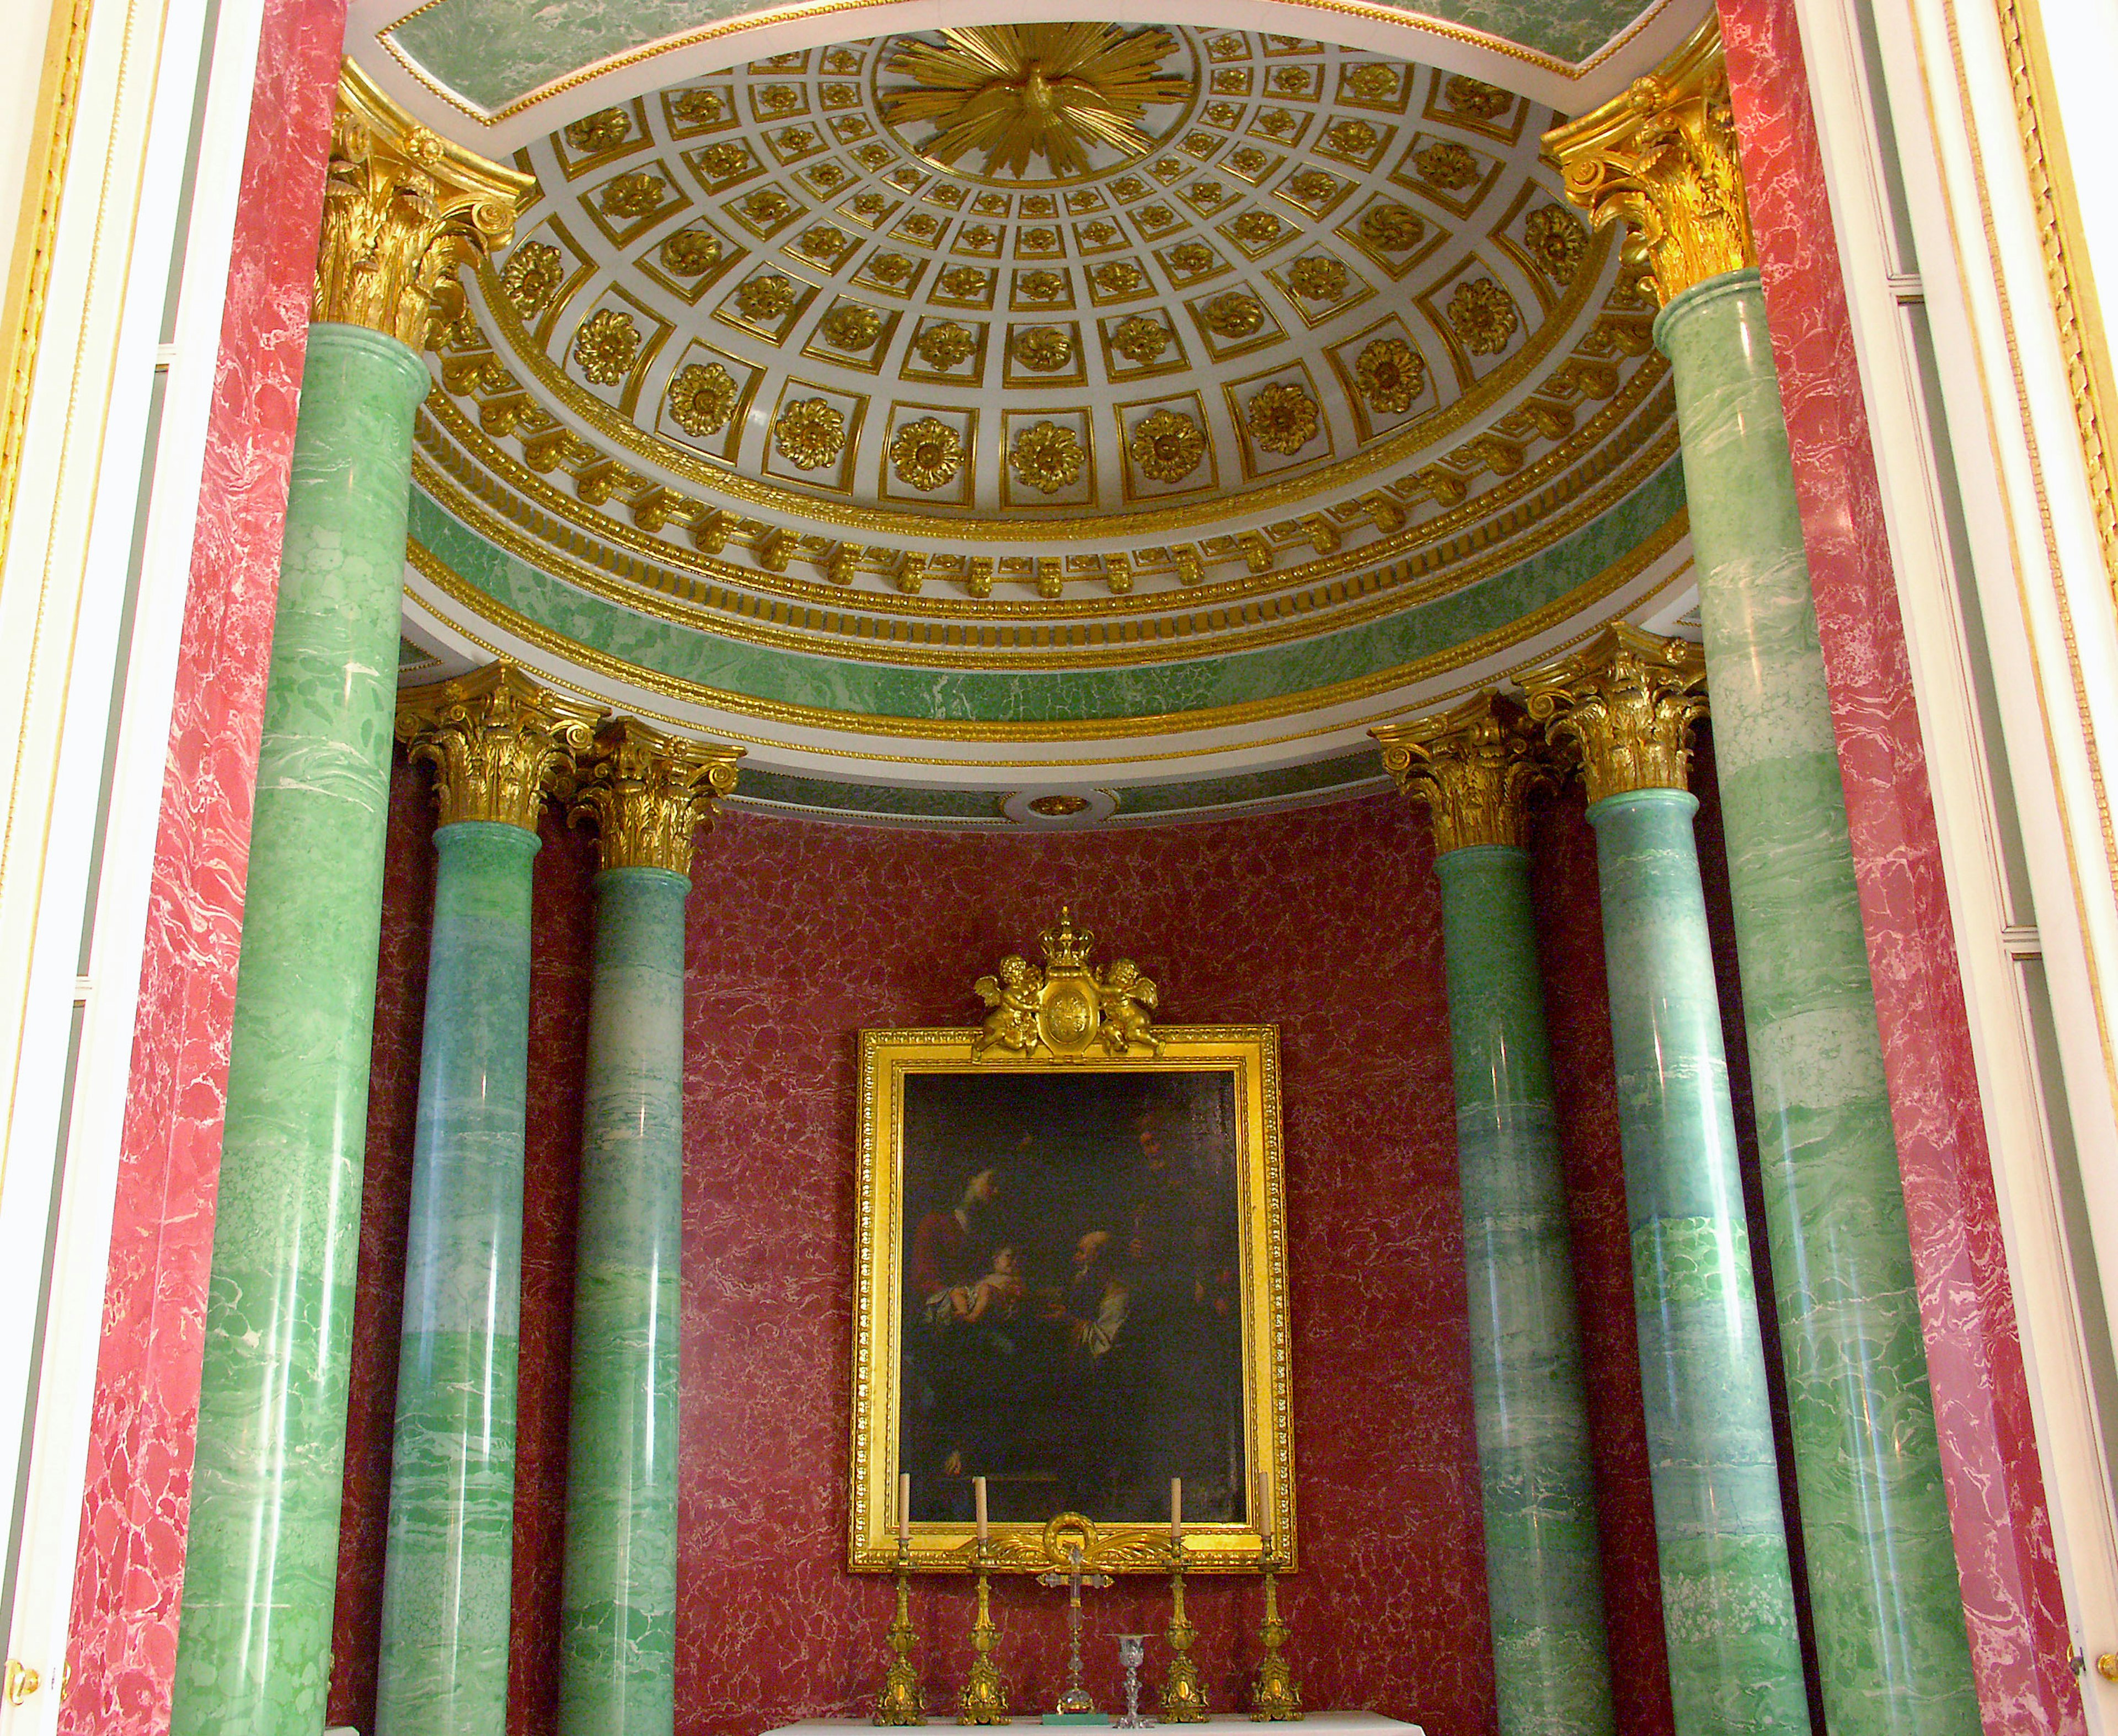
(1735, 1661)
(617, 1633)
(450, 1561)
(648, 794)
(1543, 1571)
(1475, 768)
(1882, 1563)
(261, 1562)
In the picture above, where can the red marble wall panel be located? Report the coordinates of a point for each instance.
(128, 1584)
(2011, 1587)
(1326, 921)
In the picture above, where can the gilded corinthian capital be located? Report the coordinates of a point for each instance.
(648, 793)
(1661, 157)
(493, 737)
(1474, 766)
(403, 208)
(1628, 702)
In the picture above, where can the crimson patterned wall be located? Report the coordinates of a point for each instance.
(1326, 922)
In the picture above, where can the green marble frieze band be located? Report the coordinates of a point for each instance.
(1882, 1564)
(617, 1633)
(498, 53)
(1735, 1661)
(1433, 630)
(449, 1565)
(1543, 1571)
(262, 1562)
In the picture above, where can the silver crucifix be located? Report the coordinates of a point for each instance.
(1076, 1700)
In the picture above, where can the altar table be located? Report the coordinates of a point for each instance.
(1316, 1724)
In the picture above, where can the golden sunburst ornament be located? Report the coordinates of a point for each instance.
(1023, 91)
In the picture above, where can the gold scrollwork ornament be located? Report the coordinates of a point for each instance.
(493, 737)
(647, 793)
(1475, 766)
(1662, 158)
(1628, 702)
(1070, 1007)
(403, 208)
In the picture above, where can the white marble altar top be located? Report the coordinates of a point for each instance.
(1315, 1724)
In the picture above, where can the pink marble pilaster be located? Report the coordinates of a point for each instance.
(129, 1579)
(2010, 1577)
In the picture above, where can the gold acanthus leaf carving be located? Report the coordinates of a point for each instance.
(647, 793)
(403, 208)
(1069, 1008)
(494, 737)
(1627, 703)
(1474, 766)
(1038, 90)
(1661, 157)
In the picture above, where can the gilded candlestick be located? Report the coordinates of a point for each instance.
(1275, 1696)
(1183, 1694)
(983, 1699)
(902, 1700)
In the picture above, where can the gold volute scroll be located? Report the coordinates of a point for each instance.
(1662, 158)
(1474, 766)
(493, 737)
(1628, 702)
(403, 208)
(648, 793)
(1070, 1008)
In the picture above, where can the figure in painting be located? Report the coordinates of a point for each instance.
(1071, 1324)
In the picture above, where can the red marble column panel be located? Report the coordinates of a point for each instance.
(1327, 921)
(2010, 1577)
(130, 1578)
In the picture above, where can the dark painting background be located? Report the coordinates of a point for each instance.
(1071, 1300)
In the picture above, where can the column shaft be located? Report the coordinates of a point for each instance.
(260, 1570)
(1882, 1564)
(1734, 1659)
(450, 1563)
(1543, 1571)
(617, 1632)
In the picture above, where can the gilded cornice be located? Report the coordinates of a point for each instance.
(403, 208)
(1475, 767)
(1338, 592)
(494, 737)
(647, 793)
(483, 611)
(1662, 158)
(1627, 703)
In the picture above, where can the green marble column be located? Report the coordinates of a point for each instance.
(1882, 1560)
(449, 1564)
(260, 1569)
(1882, 1566)
(1474, 766)
(1735, 1658)
(617, 1623)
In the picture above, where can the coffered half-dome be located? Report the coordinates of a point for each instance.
(1125, 405)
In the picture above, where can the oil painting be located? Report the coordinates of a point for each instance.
(1070, 1282)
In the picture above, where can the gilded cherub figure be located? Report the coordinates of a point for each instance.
(1013, 996)
(1125, 995)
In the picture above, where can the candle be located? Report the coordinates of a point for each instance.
(1263, 1518)
(978, 1495)
(904, 1506)
(1177, 1509)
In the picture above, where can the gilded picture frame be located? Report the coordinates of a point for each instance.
(1071, 1279)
